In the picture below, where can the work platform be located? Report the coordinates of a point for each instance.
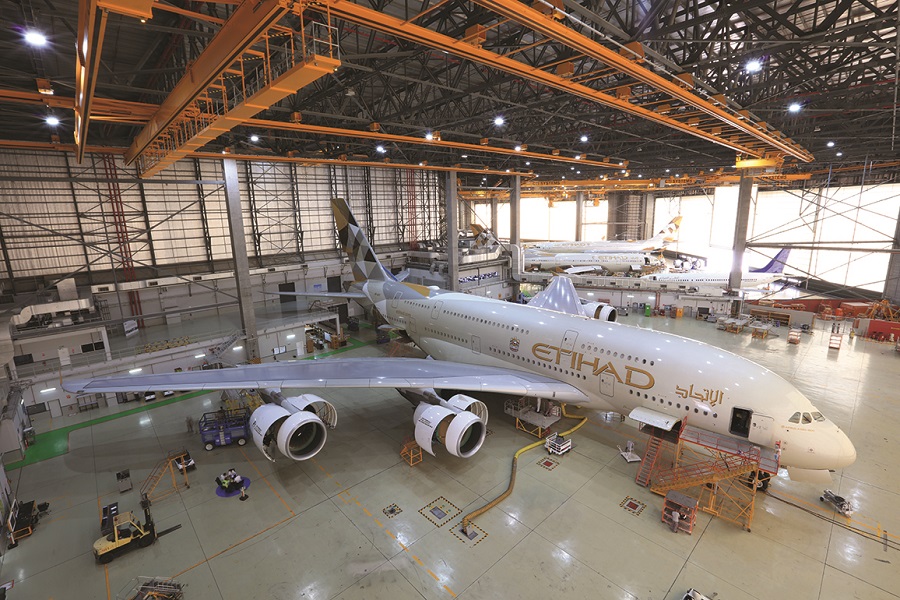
(721, 473)
(529, 418)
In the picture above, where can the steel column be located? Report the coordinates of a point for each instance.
(579, 216)
(745, 194)
(452, 210)
(241, 261)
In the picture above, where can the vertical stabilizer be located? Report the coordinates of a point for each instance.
(776, 265)
(665, 236)
(365, 265)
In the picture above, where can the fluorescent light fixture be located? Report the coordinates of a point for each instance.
(498, 121)
(35, 38)
(48, 390)
(753, 66)
(52, 121)
(794, 107)
(584, 138)
(238, 348)
(199, 355)
(254, 138)
(830, 144)
(133, 371)
(291, 336)
(651, 297)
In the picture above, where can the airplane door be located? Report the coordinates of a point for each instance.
(476, 344)
(396, 301)
(568, 341)
(437, 310)
(411, 324)
(607, 384)
(762, 430)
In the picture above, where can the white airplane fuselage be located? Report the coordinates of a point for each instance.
(713, 278)
(612, 262)
(604, 247)
(618, 367)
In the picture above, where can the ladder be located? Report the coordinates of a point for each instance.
(649, 461)
(713, 471)
(166, 465)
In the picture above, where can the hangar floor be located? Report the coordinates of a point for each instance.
(325, 529)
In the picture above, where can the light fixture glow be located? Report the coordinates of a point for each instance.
(498, 121)
(464, 156)
(794, 107)
(830, 144)
(236, 348)
(199, 355)
(254, 138)
(429, 136)
(35, 38)
(380, 149)
(753, 66)
(584, 138)
(52, 121)
(839, 154)
(527, 163)
(518, 148)
(133, 371)
(577, 157)
(291, 336)
(48, 390)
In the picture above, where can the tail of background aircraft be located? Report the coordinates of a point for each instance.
(776, 265)
(363, 261)
(667, 235)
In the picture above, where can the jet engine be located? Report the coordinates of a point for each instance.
(296, 425)
(460, 424)
(601, 311)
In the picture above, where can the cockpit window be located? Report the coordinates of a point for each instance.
(818, 417)
(795, 418)
(807, 418)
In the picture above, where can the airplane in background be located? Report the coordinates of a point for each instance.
(773, 271)
(575, 263)
(484, 345)
(658, 242)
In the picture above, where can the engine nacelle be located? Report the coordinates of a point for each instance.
(294, 425)
(601, 311)
(461, 402)
(462, 433)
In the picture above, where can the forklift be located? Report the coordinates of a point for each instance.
(125, 532)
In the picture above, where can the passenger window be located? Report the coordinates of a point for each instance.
(818, 417)
(795, 418)
(807, 418)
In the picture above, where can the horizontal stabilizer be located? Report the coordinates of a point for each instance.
(819, 476)
(653, 418)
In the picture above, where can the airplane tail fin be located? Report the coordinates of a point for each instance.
(776, 265)
(363, 261)
(667, 235)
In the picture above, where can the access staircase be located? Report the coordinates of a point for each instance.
(708, 472)
(649, 461)
(166, 465)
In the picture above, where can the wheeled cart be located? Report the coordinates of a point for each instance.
(223, 427)
(556, 444)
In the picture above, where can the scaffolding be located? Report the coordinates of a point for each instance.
(166, 465)
(152, 588)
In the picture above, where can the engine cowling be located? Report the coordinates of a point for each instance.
(460, 431)
(293, 425)
(601, 311)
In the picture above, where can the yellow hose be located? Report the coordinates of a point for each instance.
(512, 478)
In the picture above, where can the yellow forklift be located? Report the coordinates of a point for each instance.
(123, 532)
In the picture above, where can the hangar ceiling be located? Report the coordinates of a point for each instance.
(450, 67)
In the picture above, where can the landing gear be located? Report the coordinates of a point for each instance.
(762, 481)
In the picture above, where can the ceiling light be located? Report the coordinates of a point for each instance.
(572, 168)
(518, 148)
(563, 176)
(380, 149)
(830, 144)
(48, 390)
(667, 170)
(584, 138)
(710, 170)
(421, 164)
(577, 157)
(839, 154)
(52, 121)
(640, 176)
(623, 170)
(794, 107)
(527, 163)
(254, 138)
(238, 348)
(498, 121)
(753, 66)
(507, 170)
(199, 355)
(133, 371)
(621, 164)
(464, 156)
(677, 175)
(291, 336)
(429, 136)
(35, 39)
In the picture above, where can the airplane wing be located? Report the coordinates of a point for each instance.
(579, 270)
(383, 372)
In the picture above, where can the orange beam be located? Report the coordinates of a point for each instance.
(354, 163)
(89, 44)
(248, 22)
(407, 139)
(552, 28)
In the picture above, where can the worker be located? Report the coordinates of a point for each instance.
(675, 518)
(189, 421)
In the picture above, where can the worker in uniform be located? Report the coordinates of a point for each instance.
(676, 517)
(189, 421)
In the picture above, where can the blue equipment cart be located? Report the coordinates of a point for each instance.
(223, 427)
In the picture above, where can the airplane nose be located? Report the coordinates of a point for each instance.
(846, 452)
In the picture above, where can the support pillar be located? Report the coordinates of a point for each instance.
(452, 211)
(745, 192)
(579, 216)
(241, 261)
(515, 222)
(495, 221)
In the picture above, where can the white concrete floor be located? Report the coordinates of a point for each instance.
(319, 530)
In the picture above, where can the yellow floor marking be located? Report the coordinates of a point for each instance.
(106, 573)
(357, 503)
(327, 474)
(416, 558)
(449, 591)
(377, 522)
(366, 510)
(430, 572)
(388, 531)
(267, 482)
(321, 467)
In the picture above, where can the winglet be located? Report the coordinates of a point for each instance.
(363, 261)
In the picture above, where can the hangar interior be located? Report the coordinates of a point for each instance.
(168, 176)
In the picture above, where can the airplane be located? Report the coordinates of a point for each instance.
(481, 344)
(658, 242)
(773, 271)
(575, 263)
